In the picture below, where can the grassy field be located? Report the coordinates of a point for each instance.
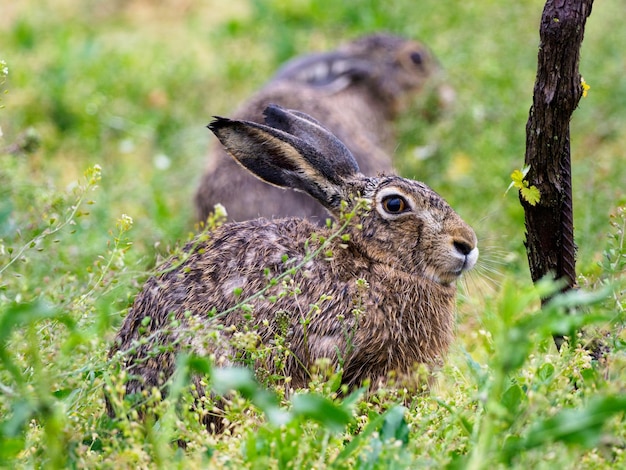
(103, 114)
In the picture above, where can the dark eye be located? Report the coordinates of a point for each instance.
(394, 204)
(417, 58)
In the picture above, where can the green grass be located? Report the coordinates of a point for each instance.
(104, 113)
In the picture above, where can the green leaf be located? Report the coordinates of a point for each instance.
(545, 372)
(63, 393)
(350, 401)
(531, 195)
(241, 380)
(395, 426)
(10, 448)
(20, 314)
(466, 425)
(359, 439)
(200, 365)
(333, 417)
(21, 413)
(517, 179)
(513, 184)
(570, 426)
(579, 297)
(513, 398)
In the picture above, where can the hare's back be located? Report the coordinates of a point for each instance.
(235, 260)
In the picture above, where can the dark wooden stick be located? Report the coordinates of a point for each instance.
(549, 224)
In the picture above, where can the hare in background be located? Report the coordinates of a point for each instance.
(385, 288)
(355, 91)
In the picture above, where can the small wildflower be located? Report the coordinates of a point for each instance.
(220, 212)
(162, 161)
(124, 223)
(93, 174)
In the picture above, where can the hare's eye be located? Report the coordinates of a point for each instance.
(394, 204)
(417, 58)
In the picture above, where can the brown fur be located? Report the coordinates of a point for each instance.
(390, 284)
(358, 105)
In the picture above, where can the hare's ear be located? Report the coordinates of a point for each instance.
(297, 152)
(332, 71)
(330, 155)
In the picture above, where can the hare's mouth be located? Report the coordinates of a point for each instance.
(445, 278)
(460, 264)
(448, 278)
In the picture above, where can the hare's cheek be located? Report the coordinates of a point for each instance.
(423, 256)
(442, 262)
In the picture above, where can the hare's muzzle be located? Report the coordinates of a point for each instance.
(465, 249)
(459, 253)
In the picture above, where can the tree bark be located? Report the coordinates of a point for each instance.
(549, 224)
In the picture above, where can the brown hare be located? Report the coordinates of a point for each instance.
(355, 91)
(385, 288)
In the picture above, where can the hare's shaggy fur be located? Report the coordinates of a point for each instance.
(385, 292)
(355, 92)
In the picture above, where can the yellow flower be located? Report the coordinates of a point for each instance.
(585, 87)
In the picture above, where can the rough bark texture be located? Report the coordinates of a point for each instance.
(549, 224)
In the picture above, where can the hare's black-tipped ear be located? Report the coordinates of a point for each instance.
(310, 160)
(331, 71)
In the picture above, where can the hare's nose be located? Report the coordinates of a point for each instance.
(463, 247)
(468, 250)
